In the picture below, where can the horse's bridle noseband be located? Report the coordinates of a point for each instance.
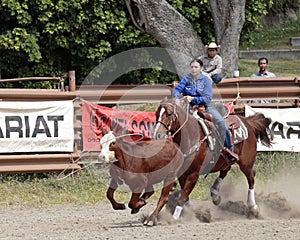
(168, 128)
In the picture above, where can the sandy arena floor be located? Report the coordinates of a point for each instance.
(279, 218)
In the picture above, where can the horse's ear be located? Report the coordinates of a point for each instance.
(164, 100)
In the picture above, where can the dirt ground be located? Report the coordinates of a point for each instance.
(279, 218)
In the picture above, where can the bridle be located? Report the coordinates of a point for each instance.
(192, 149)
(173, 120)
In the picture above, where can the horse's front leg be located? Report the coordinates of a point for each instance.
(151, 220)
(110, 195)
(187, 183)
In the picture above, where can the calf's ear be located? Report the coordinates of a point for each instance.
(112, 146)
(104, 131)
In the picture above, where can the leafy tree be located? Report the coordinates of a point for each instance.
(50, 37)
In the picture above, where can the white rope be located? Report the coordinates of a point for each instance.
(73, 171)
(131, 134)
(238, 93)
(91, 163)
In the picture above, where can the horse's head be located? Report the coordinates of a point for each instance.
(106, 153)
(166, 119)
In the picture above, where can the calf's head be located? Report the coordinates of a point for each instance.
(106, 154)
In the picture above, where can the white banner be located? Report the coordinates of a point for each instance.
(36, 126)
(285, 126)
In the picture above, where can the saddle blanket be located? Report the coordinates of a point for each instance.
(240, 133)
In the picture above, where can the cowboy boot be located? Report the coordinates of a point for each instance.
(230, 156)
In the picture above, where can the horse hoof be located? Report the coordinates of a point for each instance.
(216, 199)
(119, 206)
(149, 223)
(135, 210)
(254, 210)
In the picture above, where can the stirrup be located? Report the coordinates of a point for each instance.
(230, 156)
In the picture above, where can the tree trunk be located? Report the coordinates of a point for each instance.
(229, 18)
(175, 33)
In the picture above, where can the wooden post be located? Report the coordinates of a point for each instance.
(72, 81)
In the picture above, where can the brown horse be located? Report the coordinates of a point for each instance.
(174, 121)
(140, 165)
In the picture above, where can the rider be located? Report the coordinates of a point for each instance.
(196, 88)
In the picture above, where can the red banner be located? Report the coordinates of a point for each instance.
(97, 118)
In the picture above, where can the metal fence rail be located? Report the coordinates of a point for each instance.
(39, 163)
(285, 89)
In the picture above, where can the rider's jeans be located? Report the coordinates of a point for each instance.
(222, 127)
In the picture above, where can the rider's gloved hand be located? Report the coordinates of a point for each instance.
(189, 98)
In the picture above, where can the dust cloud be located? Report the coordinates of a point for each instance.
(278, 198)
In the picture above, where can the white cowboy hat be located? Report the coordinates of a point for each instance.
(212, 45)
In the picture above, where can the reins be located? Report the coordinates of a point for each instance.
(195, 147)
(185, 121)
(181, 125)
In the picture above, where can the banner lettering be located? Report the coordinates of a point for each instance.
(285, 126)
(97, 118)
(36, 126)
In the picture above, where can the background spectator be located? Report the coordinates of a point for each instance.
(212, 62)
(263, 72)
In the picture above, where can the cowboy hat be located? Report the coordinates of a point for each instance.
(212, 45)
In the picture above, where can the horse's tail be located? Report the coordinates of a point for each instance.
(260, 125)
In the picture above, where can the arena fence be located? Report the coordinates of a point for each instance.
(285, 89)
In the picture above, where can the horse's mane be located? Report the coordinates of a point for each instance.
(183, 111)
(184, 118)
(260, 126)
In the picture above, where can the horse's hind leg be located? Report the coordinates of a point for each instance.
(215, 188)
(251, 203)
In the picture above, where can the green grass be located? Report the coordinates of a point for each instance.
(38, 190)
(278, 38)
(280, 67)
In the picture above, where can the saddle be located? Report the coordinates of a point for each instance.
(233, 122)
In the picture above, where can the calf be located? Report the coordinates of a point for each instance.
(140, 165)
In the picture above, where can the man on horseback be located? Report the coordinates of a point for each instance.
(196, 87)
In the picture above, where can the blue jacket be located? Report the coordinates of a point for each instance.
(201, 89)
